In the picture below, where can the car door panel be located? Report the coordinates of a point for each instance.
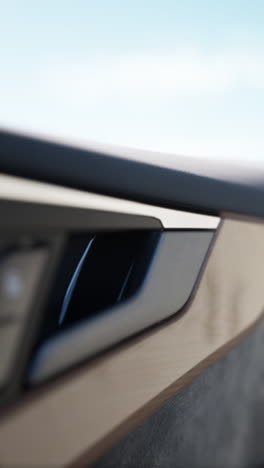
(198, 295)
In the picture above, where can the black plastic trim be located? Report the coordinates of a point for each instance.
(17, 214)
(98, 172)
(167, 286)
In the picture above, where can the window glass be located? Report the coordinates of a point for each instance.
(183, 77)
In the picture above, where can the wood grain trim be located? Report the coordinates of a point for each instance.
(87, 413)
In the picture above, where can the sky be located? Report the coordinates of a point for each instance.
(180, 77)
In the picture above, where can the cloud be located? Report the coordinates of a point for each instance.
(148, 75)
(184, 102)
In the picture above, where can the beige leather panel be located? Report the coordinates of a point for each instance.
(80, 413)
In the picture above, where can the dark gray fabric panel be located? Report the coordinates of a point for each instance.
(217, 421)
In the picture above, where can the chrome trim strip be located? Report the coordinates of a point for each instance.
(73, 282)
(20, 189)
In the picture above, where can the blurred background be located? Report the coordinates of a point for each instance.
(183, 77)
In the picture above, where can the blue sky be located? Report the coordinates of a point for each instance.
(184, 77)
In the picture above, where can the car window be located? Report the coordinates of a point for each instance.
(177, 77)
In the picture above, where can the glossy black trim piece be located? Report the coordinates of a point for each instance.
(167, 285)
